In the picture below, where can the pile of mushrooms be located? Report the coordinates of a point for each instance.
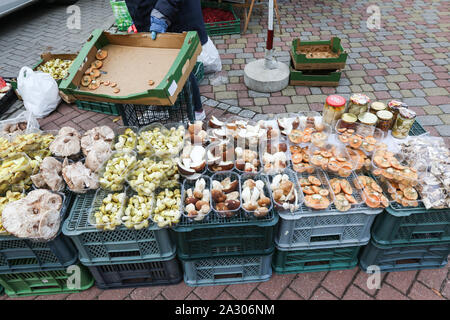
(66, 143)
(225, 196)
(78, 177)
(192, 161)
(96, 146)
(284, 192)
(197, 201)
(195, 133)
(50, 175)
(254, 199)
(247, 160)
(220, 157)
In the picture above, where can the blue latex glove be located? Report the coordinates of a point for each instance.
(157, 26)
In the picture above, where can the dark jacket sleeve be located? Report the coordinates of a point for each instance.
(169, 8)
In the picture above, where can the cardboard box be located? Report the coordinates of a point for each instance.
(133, 60)
(46, 56)
(301, 62)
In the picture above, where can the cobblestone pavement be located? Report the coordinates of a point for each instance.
(408, 59)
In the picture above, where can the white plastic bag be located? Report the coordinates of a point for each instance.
(210, 57)
(25, 116)
(39, 92)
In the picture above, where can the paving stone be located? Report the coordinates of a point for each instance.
(146, 293)
(433, 110)
(388, 293)
(177, 292)
(247, 114)
(306, 283)
(256, 295)
(415, 102)
(209, 292)
(223, 106)
(115, 294)
(429, 120)
(420, 292)
(354, 293)
(254, 94)
(433, 278)
(322, 294)
(401, 280)
(211, 102)
(241, 291)
(337, 281)
(275, 286)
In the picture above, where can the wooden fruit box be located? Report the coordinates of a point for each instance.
(133, 62)
(302, 61)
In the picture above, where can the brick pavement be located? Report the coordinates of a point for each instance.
(407, 59)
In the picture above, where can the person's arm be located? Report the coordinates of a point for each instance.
(163, 14)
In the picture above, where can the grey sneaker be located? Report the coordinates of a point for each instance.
(200, 115)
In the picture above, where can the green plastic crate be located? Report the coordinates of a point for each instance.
(315, 260)
(199, 71)
(404, 257)
(44, 282)
(122, 245)
(227, 270)
(101, 107)
(222, 27)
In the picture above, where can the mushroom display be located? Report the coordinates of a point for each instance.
(247, 160)
(254, 199)
(196, 201)
(98, 134)
(274, 162)
(192, 161)
(50, 175)
(195, 133)
(35, 216)
(284, 192)
(99, 152)
(66, 143)
(215, 123)
(286, 125)
(78, 177)
(226, 197)
(220, 157)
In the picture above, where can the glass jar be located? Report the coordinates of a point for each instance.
(394, 106)
(384, 120)
(358, 104)
(403, 123)
(348, 121)
(377, 106)
(333, 109)
(368, 118)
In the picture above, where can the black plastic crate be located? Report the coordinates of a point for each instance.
(142, 115)
(7, 101)
(390, 258)
(24, 255)
(131, 275)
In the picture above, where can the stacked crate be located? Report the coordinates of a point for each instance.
(29, 267)
(317, 72)
(408, 238)
(220, 250)
(322, 240)
(122, 257)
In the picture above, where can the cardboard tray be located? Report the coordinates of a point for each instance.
(133, 60)
(301, 62)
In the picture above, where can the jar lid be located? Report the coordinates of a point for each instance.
(397, 104)
(367, 117)
(384, 115)
(335, 101)
(407, 113)
(349, 117)
(378, 106)
(359, 98)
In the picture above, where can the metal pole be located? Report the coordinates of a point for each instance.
(269, 59)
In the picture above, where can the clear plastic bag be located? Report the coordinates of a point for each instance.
(210, 57)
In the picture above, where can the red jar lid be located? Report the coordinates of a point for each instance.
(335, 101)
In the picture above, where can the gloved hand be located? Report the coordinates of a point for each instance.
(157, 26)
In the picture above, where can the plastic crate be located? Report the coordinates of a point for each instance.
(324, 229)
(227, 270)
(24, 255)
(225, 237)
(199, 71)
(404, 257)
(131, 275)
(315, 260)
(44, 283)
(122, 245)
(416, 129)
(7, 101)
(142, 115)
(412, 225)
(222, 27)
(101, 107)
